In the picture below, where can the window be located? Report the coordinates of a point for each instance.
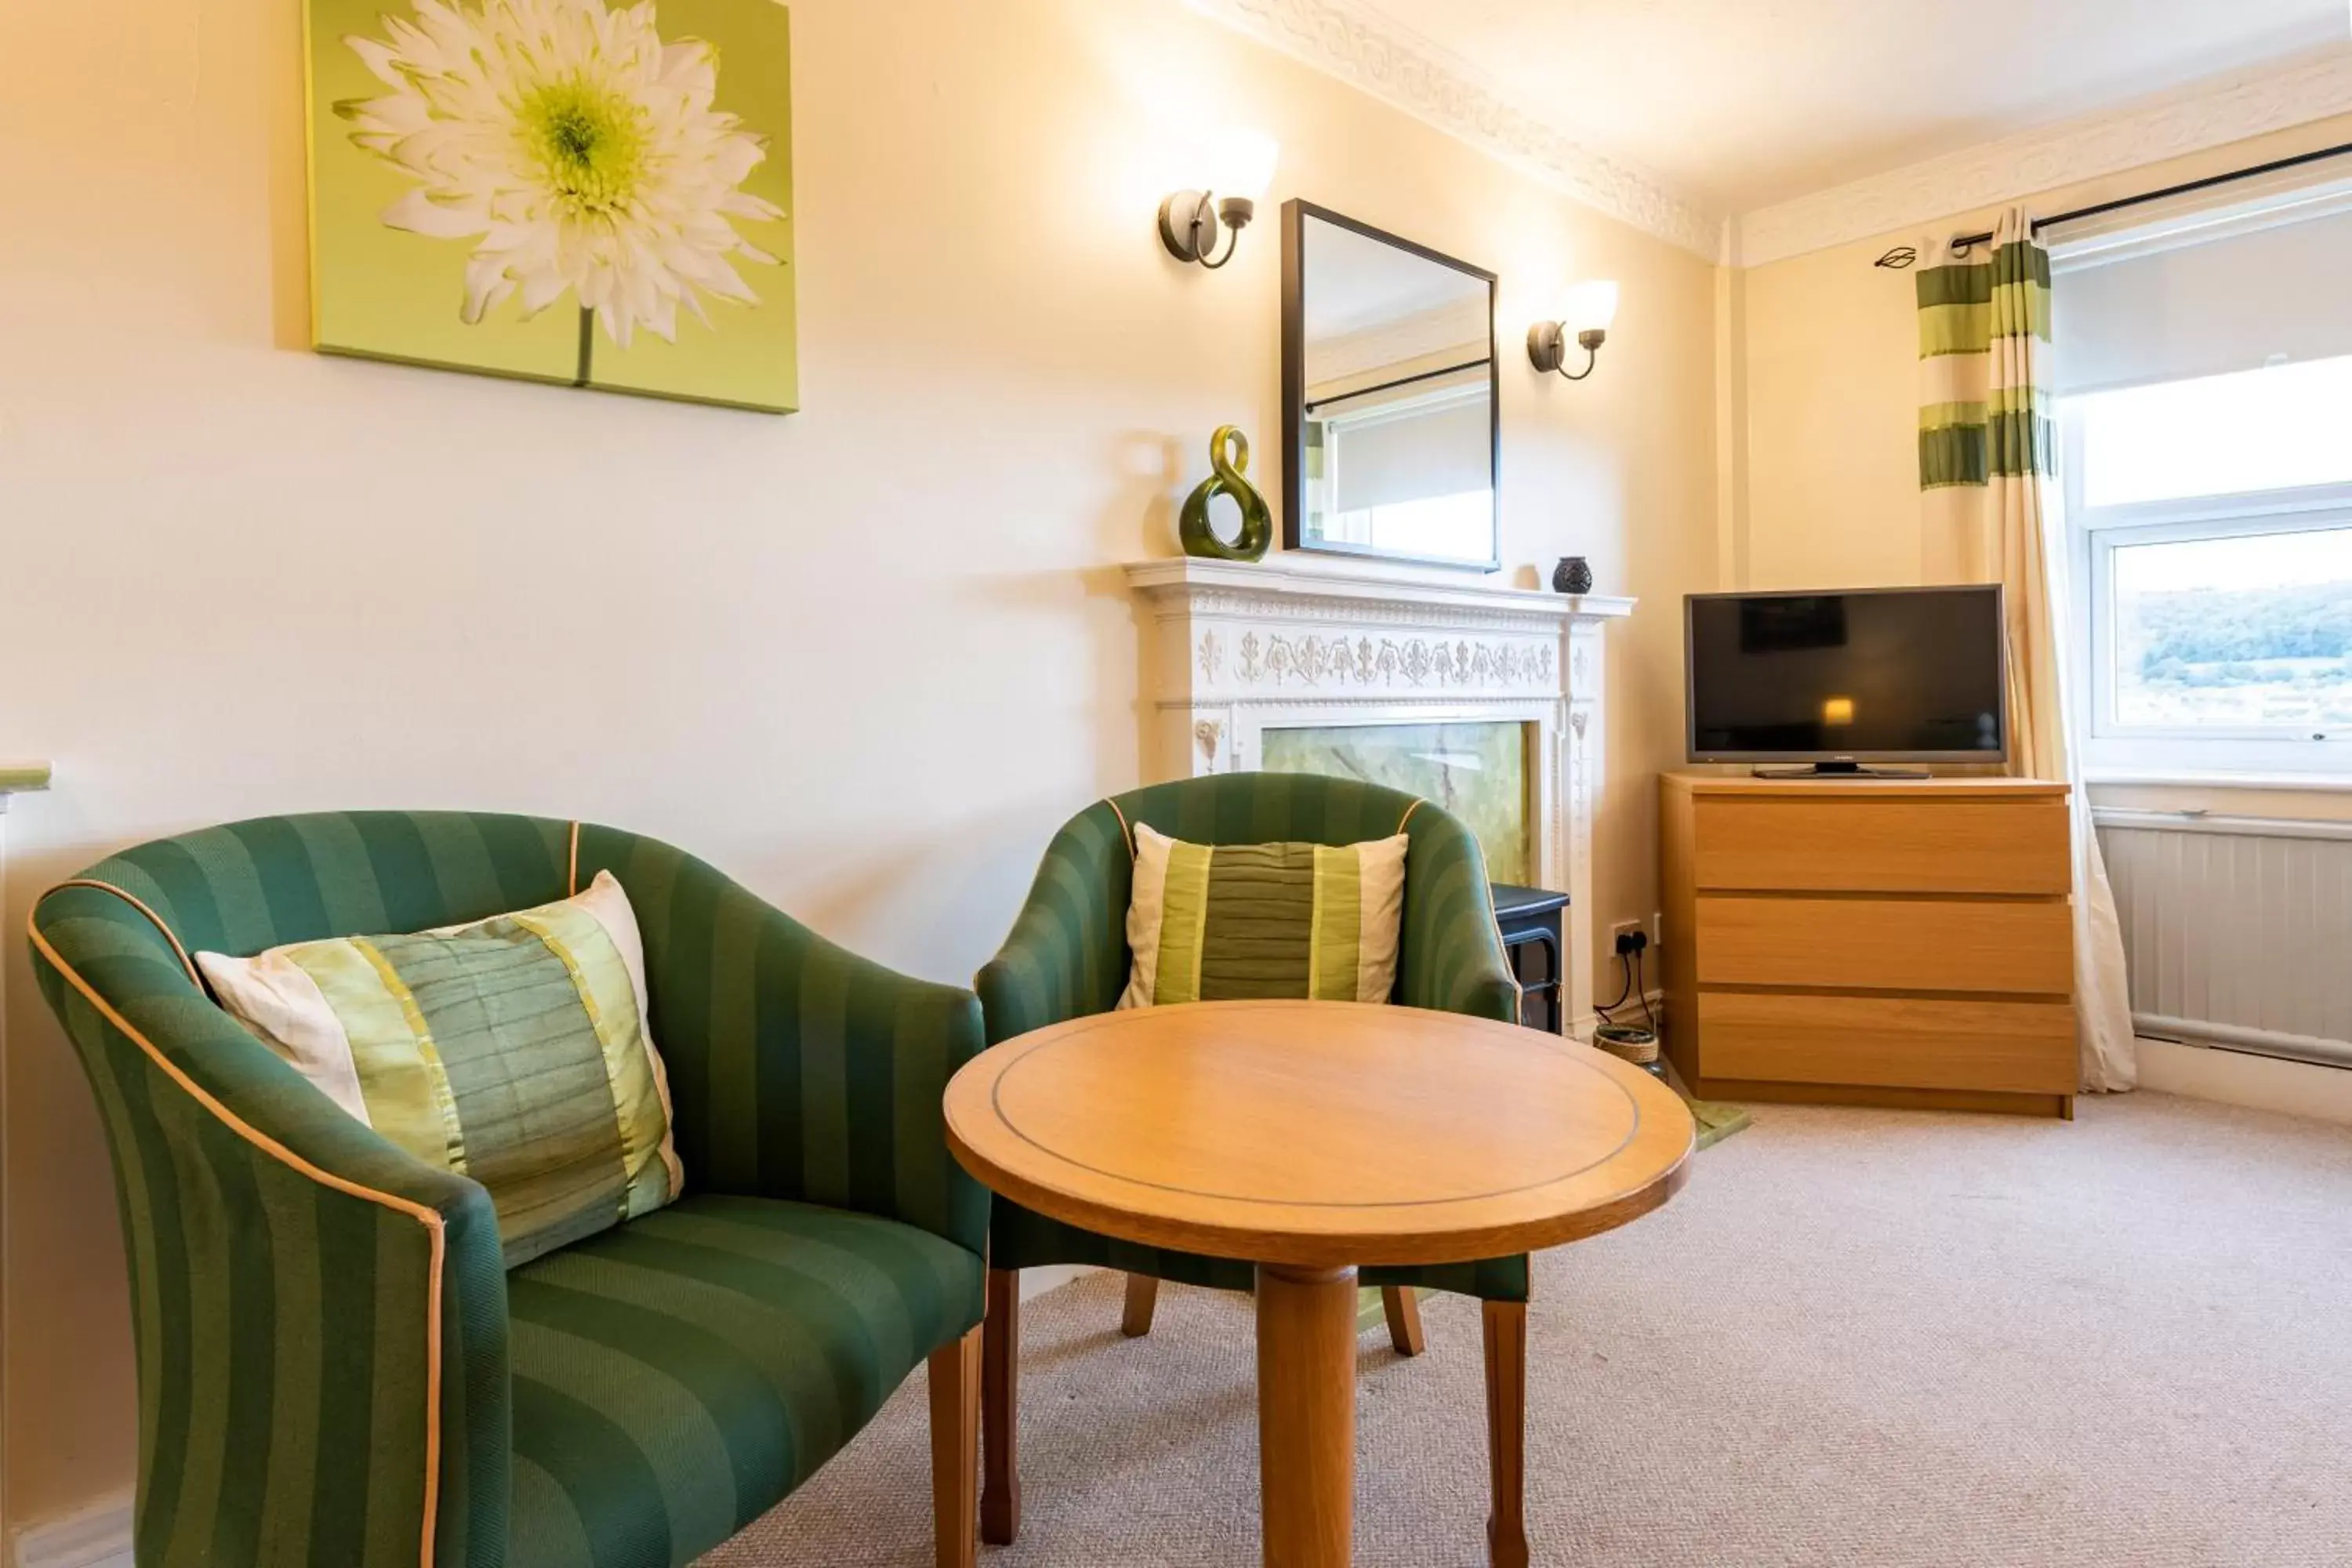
(2213, 526)
(2281, 427)
(2204, 381)
(1408, 472)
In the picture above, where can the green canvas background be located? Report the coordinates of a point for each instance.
(385, 294)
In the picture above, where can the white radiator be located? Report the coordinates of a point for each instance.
(2238, 930)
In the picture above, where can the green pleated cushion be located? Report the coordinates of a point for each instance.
(1211, 923)
(674, 1379)
(514, 1050)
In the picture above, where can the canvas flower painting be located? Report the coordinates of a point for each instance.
(572, 191)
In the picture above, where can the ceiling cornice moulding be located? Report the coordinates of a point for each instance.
(2016, 167)
(1351, 41)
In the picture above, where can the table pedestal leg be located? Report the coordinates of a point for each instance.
(1307, 1414)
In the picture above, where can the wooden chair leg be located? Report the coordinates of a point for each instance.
(955, 1452)
(1401, 1306)
(1506, 1431)
(1142, 1300)
(999, 1404)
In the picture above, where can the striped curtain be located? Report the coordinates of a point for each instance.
(1988, 455)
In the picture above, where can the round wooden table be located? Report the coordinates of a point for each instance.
(1310, 1138)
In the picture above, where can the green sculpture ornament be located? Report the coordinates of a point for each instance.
(1229, 455)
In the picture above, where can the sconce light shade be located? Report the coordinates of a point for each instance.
(1588, 309)
(1241, 164)
(1237, 167)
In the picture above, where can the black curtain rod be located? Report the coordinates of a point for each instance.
(1970, 241)
(1400, 381)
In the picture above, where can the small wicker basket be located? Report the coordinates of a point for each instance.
(1628, 1042)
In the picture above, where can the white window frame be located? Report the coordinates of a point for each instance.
(2117, 751)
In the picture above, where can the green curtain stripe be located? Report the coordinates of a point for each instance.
(2020, 444)
(2021, 309)
(1953, 455)
(1955, 330)
(1966, 309)
(280, 1325)
(2021, 261)
(1955, 283)
(1066, 958)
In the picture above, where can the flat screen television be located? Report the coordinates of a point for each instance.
(1841, 680)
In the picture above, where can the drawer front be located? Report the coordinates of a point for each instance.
(1888, 944)
(1891, 1042)
(1855, 845)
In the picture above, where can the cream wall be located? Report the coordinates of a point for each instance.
(1828, 489)
(238, 578)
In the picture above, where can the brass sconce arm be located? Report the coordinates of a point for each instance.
(1189, 221)
(1548, 348)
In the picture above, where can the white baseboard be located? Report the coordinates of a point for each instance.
(97, 1537)
(1035, 1282)
(2240, 1077)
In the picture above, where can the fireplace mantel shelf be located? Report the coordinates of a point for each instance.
(1291, 581)
(1234, 650)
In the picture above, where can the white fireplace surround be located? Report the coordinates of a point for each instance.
(1232, 650)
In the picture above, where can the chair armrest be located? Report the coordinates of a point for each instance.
(1452, 951)
(1066, 955)
(797, 1069)
(286, 1261)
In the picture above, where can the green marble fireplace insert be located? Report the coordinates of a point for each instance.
(1477, 771)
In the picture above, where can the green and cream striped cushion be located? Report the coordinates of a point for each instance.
(513, 1050)
(1225, 922)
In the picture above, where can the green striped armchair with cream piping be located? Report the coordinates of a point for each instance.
(335, 1366)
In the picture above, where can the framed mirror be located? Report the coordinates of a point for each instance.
(1389, 396)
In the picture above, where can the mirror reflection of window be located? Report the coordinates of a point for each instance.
(1398, 414)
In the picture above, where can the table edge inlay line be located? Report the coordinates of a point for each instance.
(995, 1104)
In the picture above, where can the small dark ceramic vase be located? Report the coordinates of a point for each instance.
(1572, 575)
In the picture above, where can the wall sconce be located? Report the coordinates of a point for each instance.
(1239, 167)
(1587, 311)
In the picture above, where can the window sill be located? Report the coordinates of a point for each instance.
(2215, 778)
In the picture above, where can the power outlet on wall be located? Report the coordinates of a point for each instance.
(1621, 930)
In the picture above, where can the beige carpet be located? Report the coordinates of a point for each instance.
(1860, 1339)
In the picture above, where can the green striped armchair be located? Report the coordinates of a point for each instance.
(1067, 958)
(334, 1365)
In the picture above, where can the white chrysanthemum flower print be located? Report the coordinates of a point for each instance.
(580, 151)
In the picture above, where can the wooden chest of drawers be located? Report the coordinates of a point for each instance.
(1871, 941)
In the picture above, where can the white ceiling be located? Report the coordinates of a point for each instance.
(1739, 104)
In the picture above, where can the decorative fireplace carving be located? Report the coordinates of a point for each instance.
(1234, 650)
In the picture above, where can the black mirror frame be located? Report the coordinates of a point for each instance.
(1294, 214)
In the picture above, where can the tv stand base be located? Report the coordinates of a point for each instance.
(1841, 771)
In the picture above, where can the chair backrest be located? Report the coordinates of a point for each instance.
(1068, 955)
(1271, 808)
(250, 885)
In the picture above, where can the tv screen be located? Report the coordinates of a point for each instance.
(1894, 674)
